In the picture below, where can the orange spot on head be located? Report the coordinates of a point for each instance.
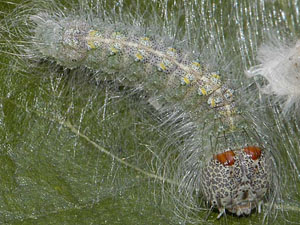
(226, 158)
(253, 151)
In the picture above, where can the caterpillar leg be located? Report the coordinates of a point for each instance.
(259, 206)
(222, 211)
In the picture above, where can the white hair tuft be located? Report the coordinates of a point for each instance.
(280, 66)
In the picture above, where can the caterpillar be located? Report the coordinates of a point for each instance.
(236, 180)
(223, 159)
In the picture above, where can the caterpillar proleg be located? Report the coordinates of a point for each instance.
(222, 151)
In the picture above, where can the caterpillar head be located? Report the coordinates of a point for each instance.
(61, 39)
(237, 180)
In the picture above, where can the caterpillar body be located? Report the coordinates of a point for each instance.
(238, 173)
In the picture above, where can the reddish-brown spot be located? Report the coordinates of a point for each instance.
(226, 158)
(253, 151)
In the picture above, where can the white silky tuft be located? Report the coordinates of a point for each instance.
(280, 66)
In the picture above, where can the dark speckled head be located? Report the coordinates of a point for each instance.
(237, 180)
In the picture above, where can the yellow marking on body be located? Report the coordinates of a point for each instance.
(145, 41)
(213, 103)
(92, 33)
(162, 66)
(114, 50)
(171, 52)
(216, 76)
(203, 91)
(139, 56)
(196, 64)
(186, 80)
(91, 44)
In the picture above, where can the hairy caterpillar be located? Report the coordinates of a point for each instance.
(209, 108)
(236, 180)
